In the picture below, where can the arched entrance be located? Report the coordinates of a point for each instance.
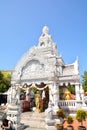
(31, 92)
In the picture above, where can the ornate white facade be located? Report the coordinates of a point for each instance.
(43, 67)
(42, 64)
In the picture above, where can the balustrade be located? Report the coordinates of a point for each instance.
(69, 103)
(70, 106)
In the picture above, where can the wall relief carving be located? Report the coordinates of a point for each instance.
(32, 68)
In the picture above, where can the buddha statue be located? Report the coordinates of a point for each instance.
(67, 94)
(37, 101)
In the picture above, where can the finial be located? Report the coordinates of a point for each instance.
(76, 66)
(77, 58)
(45, 39)
(45, 30)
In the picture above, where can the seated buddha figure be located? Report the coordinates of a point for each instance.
(67, 94)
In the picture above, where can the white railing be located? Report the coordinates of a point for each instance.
(73, 104)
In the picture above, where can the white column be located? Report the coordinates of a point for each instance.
(81, 92)
(27, 96)
(82, 95)
(55, 97)
(77, 90)
(50, 93)
(58, 91)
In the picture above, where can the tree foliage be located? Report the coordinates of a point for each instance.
(69, 119)
(84, 81)
(5, 82)
(1, 75)
(71, 89)
(60, 113)
(81, 115)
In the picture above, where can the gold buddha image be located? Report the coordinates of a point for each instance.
(67, 94)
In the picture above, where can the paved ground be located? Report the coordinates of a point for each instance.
(32, 121)
(36, 121)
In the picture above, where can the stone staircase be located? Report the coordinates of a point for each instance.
(33, 121)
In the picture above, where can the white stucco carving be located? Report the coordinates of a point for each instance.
(32, 68)
(45, 39)
(43, 64)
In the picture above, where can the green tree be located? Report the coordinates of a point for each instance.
(5, 82)
(84, 81)
(71, 89)
(1, 75)
(81, 115)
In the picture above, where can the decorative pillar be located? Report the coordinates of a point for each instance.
(81, 93)
(77, 90)
(82, 98)
(55, 97)
(78, 96)
(14, 107)
(58, 91)
(27, 94)
(49, 120)
(50, 93)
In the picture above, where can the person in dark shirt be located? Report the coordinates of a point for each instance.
(7, 125)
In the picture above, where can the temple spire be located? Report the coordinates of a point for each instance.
(45, 39)
(45, 30)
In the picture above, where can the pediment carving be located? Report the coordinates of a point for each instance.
(31, 68)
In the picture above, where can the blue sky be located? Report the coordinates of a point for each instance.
(21, 23)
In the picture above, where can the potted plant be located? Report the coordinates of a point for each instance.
(60, 113)
(60, 119)
(81, 116)
(69, 120)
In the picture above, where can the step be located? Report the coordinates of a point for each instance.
(34, 120)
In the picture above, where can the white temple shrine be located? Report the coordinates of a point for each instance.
(42, 67)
